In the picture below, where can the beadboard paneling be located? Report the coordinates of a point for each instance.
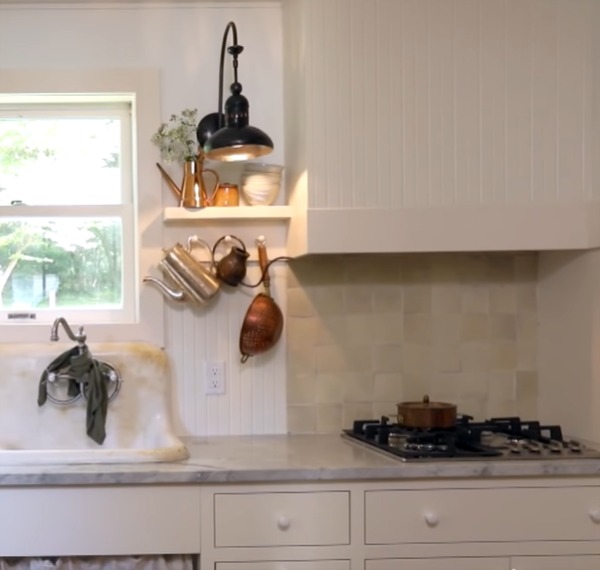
(450, 102)
(255, 400)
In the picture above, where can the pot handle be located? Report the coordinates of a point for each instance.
(263, 261)
(228, 237)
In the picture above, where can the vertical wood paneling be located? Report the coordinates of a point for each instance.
(544, 101)
(385, 121)
(419, 103)
(342, 128)
(366, 191)
(594, 78)
(571, 57)
(255, 398)
(468, 100)
(409, 103)
(519, 28)
(397, 168)
(321, 71)
(422, 141)
(441, 102)
(361, 150)
(493, 102)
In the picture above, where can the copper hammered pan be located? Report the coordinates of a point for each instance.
(263, 322)
(426, 414)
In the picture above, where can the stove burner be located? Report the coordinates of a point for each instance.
(502, 437)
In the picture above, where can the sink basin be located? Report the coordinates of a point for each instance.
(138, 422)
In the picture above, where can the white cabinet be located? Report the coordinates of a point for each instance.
(481, 515)
(555, 563)
(502, 524)
(439, 564)
(441, 126)
(107, 520)
(286, 565)
(282, 519)
(276, 527)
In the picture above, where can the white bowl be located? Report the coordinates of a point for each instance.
(261, 183)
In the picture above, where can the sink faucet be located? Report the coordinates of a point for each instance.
(79, 337)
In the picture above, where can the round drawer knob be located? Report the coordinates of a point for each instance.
(431, 519)
(283, 522)
(595, 515)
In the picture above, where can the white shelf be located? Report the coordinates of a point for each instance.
(174, 214)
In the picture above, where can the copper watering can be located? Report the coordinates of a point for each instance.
(193, 193)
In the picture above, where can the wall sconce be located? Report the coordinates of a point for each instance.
(226, 134)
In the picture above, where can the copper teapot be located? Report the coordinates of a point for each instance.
(193, 192)
(231, 268)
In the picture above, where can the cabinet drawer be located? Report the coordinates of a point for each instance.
(555, 562)
(494, 515)
(282, 519)
(438, 564)
(286, 565)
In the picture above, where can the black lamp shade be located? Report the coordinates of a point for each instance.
(238, 143)
(236, 140)
(226, 134)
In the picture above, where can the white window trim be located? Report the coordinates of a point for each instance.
(144, 88)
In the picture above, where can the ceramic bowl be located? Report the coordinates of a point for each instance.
(261, 183)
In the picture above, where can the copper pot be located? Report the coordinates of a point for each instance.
(263, 323)
(426, 414)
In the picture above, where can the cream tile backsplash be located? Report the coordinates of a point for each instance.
(365, 332)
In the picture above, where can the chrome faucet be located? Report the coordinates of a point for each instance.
(80, 337)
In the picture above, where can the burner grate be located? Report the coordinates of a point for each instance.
(468, 439)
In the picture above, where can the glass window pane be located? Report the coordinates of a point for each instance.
(58, 263)
(54, 161)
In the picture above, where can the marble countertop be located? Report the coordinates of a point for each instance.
(281, 458)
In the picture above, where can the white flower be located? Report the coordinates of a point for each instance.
(176, 139)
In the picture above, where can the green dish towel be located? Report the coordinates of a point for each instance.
(88, 373)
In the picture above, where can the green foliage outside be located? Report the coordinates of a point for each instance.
(85, 258)
(88, 273)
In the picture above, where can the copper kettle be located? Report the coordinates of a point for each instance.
(193, 281)
(231, 268)
(193, 193)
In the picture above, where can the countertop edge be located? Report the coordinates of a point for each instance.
(285, 459)
(241, 476)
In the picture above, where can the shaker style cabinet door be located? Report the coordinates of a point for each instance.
(439, 564)
(286, 565)
(555, 563)
(282, 519)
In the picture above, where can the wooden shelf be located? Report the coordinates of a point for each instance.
(174, 214)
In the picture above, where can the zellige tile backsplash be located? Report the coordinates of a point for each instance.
(368, 331)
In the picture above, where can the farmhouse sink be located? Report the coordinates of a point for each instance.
(138, 421)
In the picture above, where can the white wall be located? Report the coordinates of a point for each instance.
(183, 42)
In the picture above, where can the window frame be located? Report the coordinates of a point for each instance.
(142, 89)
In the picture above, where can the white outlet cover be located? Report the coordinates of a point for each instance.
(214, 378)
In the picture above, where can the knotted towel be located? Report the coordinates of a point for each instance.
(87, 374)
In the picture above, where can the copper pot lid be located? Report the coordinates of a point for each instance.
(427, 404)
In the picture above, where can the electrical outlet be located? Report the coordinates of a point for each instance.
(214, 377)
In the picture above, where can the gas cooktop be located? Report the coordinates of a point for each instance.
(496, 438)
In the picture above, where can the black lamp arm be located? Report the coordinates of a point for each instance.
(234, 50)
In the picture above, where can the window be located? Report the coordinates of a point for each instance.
(65, 167)
(73, 213)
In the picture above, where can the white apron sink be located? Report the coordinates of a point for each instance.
(138, 421)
